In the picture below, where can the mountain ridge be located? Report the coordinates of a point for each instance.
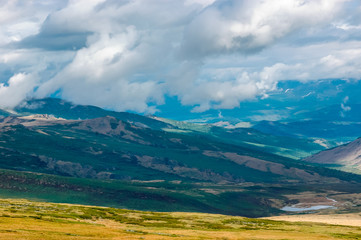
(347, 156)
(111, 129)
(147, 163)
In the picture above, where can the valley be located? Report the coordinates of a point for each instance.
(89, 156)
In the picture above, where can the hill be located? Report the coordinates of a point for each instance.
(245, 137)
(109, 148)
(67, 110)
(346, 157)
(147, 163)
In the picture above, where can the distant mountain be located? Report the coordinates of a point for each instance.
(333, 119)
(329, 133)
(287, 146)
(335, 113)
(4, 113)
(346, 157)
(245, 137)
(67, 110)
(292, 101)
(326, 111)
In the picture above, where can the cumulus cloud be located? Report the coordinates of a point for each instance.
(20, 19)
(249, 26)
(128, 55)
(18, 87)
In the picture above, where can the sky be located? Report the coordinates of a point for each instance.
(133, 55)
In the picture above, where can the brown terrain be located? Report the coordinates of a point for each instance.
(349, 219)
(349, 154)
(264, 166)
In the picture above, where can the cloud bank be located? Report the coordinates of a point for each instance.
(210, 54)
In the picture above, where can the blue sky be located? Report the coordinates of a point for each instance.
(207, 55)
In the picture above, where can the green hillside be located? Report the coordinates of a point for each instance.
(108, 162)
(107, 148)
(290, 147)
(249, 138)
(142, 163)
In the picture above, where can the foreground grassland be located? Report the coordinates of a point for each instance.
(22, 219)
(348, 219)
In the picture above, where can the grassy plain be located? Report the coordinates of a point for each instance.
(348, 219)
(22, 219)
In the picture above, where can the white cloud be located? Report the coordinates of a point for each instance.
(105, 74)
(248, 26)
(19, 87)
(19, 19)
(344, 107)
(127, 55)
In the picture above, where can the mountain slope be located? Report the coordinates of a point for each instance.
(244, 137)
(4, 113)
(110, 148)
(152, 165)
(285, 146)
(346, 157)
(67, 110)
(329, 133)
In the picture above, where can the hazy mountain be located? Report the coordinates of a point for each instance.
(326, 100)
(330, 133)
(326, 111)
(4, 113)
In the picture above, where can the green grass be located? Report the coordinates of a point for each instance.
(247, 137)
(21, 219)
(252, 200)
(113, 148)
(160, 196)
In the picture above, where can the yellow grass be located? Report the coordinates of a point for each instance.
(21, 219)
(349, 219)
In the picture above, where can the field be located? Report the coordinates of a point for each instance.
(349, 219)
(22, 219)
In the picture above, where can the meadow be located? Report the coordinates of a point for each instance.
(23, 219)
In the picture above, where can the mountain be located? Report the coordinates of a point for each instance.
(346, 157)
(4, 113)
(327, 133)
(335, 113)
(291, 147)
(67, 110)
(109, 148)
(132, 161)
(337, 123)
(291, 101)
(326, 111)
(244, 137)
(333, 125)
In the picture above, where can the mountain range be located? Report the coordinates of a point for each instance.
(327, 111)
(54, 150)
